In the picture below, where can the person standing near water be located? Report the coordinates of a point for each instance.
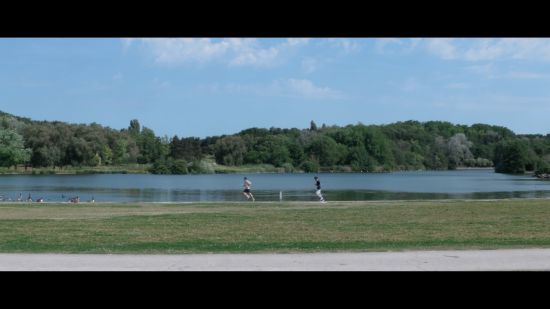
(318, 189)
(247, 185)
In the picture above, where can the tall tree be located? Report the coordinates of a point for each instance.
(312, 126)
(150, 146)
(134, 129)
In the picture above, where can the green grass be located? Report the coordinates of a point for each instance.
(274, 227)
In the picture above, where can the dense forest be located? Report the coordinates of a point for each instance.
(409, 145)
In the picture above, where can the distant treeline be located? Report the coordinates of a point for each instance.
(409, 145)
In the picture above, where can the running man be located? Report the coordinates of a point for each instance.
(318, 189)
(247, 184)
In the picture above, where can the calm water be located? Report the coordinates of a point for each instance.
(266, 187)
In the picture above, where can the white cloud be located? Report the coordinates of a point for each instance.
(255, 56)
(412, 84)
(306, 89)
(127, 42)
(491, 49)
(391, 45)
(490, 71)
(518, 48)
(482, 69)
(297, 41)
(494, 102)
(472, 49)
(309, 65)
(524, 75)
(293, 88)
(233, 51)
(381, 45)
(184, 49)
(347, 45)
(484, 49)
(442, 48)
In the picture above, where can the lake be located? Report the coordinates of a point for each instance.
(476, 184)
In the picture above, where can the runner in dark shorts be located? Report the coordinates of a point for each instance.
(247, 184)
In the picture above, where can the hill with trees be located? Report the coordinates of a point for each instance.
(408, 145)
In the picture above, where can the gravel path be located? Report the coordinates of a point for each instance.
(471, 260)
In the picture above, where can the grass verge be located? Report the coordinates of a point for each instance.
(274, 227)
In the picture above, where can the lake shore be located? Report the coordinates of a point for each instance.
(70, 170)
(215, 169)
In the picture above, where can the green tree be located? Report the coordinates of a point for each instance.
(510, 157)
(150, 146)
(312, 126)
(95, 160)
(230, 150)
(379, 147)
(186, 148)
(120, 153)
(79, 152)
(326, 151)
(270, 149)
(458, 149)
(296, 153)
(436, 157)
(107, 155)
(12, 149)
(358, 158)
(46, 156)
(134, 129)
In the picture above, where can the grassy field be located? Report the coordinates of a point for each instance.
(274, 227)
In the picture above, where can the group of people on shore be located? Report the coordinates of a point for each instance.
(29, 198)
(248, 185)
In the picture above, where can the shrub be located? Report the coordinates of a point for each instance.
(288, 168)
(179, 167)
(310, 166)
(161, 166)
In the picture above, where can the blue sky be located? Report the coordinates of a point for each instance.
(213, 86)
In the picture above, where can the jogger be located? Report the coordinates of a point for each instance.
(247, 184)
(318, 189)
